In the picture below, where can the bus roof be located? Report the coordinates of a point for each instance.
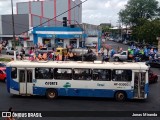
(79, 64)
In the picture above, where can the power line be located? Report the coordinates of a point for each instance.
(57, 16)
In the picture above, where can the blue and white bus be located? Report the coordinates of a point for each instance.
(119, 80)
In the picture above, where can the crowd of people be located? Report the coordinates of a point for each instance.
(135, 53)
(142, 53)
(3, 44)
(35, 55)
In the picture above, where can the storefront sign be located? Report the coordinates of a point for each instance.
(76, 36)
(49, 36)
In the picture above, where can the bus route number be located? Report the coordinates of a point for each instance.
(122, 84)
(50, 83)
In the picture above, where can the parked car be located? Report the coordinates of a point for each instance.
(10, 51)
(120, 40)
(155, 63)
(61, 51)
(111, 39)
(2, 75)
(123, 56)
(152, 77)
(91, 45)
(125, 42)
(80, 51)
(45, 50)
(90, 56)
(158, 55)
(116, 40)
(2, 66)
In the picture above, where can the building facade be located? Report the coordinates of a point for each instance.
(58, 36)
(45, 16)
(42, 11)
(46, 13)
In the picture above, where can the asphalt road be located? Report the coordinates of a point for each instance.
(82, 104)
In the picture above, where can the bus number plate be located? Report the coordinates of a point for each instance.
(122, 84)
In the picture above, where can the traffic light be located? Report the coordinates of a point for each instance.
(65, 21)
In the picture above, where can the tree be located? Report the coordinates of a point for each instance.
(139, 9)
(149, 31)
(105, 29)
(143, 18)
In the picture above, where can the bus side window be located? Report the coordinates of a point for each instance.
(129, 75)
(63, 74)
(44, 73)
(82, 74)
(121, 75)
(96, 74)
(55, 73)
(14, 73)
(108, 75)
(102, 74)
(114, 75)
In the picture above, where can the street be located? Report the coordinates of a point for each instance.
(37, 103)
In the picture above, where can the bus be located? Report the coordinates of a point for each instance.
(119, 80)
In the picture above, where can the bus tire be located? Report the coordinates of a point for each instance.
(120, 96)
(51, 94)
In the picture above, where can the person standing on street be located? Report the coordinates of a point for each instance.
(22, 53)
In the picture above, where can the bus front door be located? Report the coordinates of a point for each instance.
(25, 80)
(139, 85)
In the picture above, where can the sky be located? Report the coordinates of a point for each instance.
(93, 11)
(102, 11)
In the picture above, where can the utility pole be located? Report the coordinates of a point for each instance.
(14, 40)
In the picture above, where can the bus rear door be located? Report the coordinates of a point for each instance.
(25, 81)
(139, 85)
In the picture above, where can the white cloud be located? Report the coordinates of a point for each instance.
(108, 4)
(102, 11)
(121, 4)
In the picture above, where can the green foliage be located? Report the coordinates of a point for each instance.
(5, 59)
(143, 17)
(139, 9)
(105, 29)
(149, 31)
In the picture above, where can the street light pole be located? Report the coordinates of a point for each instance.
(14, 42)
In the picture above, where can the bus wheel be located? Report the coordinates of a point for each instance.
(51, 94)
(120, 96)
